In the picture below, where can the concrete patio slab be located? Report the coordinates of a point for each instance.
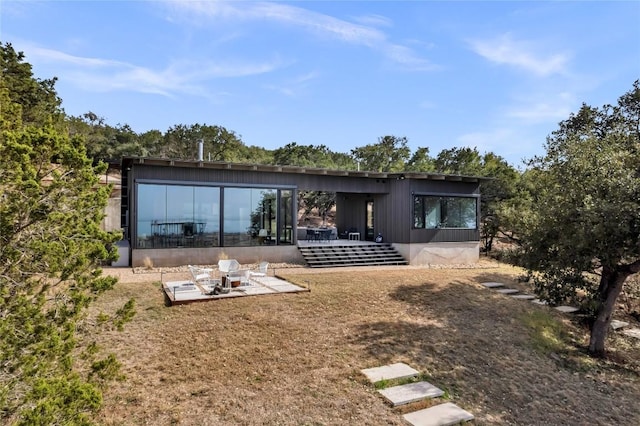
(439, 415)
(411, 392)
(566, 309)
(389, 372)
(632, 332)
(617, 324)
(539, 302)
(507, 291)
(523, 296)
(182, 292)
(492, 285)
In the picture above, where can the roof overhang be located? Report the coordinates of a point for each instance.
(222, 165)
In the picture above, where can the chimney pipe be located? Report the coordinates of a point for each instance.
(200, 150)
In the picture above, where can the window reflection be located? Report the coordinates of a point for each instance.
(433, 212)
(250, 216)
(171, 216)
(286, 217)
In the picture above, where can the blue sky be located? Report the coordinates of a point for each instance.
(496, 75)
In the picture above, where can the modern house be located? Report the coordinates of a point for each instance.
(177, 212)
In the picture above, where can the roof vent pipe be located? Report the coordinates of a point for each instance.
(200, 150)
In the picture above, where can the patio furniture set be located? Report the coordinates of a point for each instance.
(231, 277)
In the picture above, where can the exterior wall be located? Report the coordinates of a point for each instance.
(425, 254)
(393, 212)
(111, 221)
(210, 256)
(247, 177)
(350, 212)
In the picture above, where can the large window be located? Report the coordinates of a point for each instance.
(178, 216)
(170, 216)
(249, 216)
(433, 212)
(286, 216)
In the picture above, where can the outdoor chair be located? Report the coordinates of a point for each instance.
(231, 275)
(345, 234)
(260, 271)
(312, 234)
(205, 283)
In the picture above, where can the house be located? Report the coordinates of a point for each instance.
(177, 212)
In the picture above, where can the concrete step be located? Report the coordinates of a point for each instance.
(319, 256)
(411, 392)
(617, 324)
(507, 291)
(566, 309)
(439, 415)
(395, 371)
(632, 332)
(492, 285)
(523, 296)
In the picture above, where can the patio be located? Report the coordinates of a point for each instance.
(187, 291)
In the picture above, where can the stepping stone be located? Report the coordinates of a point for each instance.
(523, 296)
(566, 309)
(539, 302)
(507, 291)
(439, 415)
(492, 285)
(389, 372)
(616, 324)
(412, 392)
(632, 332)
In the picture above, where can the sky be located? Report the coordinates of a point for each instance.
(495, 75)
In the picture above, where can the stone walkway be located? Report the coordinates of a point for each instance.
(438, 415)
(448, 413)
(514, 293)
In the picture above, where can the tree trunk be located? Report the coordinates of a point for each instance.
(610, 287)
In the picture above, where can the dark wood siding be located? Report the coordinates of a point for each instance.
(243, 177)
(444, 235)
(440, 235)
(393, 198)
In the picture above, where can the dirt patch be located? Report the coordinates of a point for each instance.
(294, 359)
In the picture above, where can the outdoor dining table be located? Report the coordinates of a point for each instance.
(320, 234)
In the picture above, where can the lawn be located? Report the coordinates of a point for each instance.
(294, 359)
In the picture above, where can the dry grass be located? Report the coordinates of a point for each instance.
(294, 359)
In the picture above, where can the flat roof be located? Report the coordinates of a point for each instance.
(222, 165)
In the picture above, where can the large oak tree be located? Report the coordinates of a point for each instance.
(580, 226)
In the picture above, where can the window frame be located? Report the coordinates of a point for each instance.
(422, 221)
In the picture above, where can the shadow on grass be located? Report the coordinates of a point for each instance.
(457, 324)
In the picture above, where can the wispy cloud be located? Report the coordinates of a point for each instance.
(540, 112)
(364, 33)
(487, 141)
(541, 109)
(521, 54)
(374, 20)
(104, 75)
(296, 86)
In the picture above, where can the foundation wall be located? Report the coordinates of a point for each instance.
(440, 253)
(210, 256)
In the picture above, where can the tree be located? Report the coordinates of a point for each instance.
(220, 144)
(420, 161)
(105, 142)
(580, 235)
(494, 192)
(459, 161)
(51, 246)
(293, 154)
(37, 98)
(388, 155)
(321, 201)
